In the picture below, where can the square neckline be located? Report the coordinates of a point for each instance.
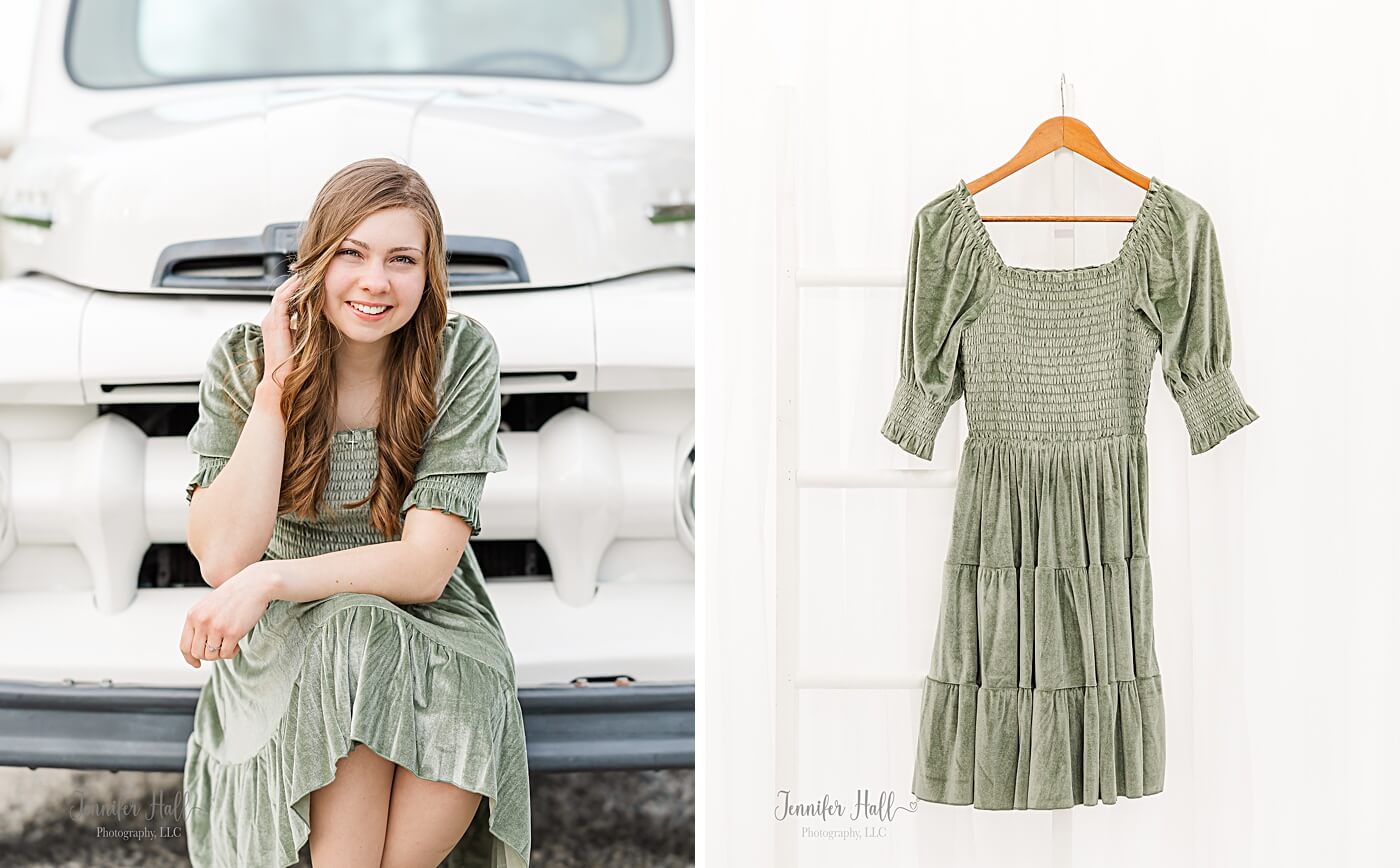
(1136, 231)
(354, 435)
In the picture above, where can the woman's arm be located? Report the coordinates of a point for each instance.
(232, 519)
(400, 571)
(414, 569)
(230, 525)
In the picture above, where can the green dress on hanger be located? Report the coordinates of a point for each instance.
(430, 686)
(1043, 690)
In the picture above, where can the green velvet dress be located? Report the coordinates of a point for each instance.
(1043, 690)
(429, 686)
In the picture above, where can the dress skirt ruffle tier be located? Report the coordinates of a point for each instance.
(305, 687)
(1044, 690)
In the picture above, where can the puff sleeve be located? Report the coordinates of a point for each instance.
(226, 393)
(1186, 302)
(462, 444)
(947, 283)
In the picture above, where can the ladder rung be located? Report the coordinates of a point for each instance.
(854, 681)
(811, 277)
(890, 478)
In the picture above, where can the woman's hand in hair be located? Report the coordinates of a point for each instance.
(277, 333)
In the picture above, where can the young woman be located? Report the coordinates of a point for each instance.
(362, 692)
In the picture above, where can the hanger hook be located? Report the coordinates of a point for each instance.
(1062, 94)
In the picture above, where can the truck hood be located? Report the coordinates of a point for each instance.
(574, 188)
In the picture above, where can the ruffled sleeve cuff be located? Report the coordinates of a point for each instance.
(457, 493)
(208, 469)
(1214, 409)
(914, 419)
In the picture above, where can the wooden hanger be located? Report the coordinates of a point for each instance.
(1060, 132)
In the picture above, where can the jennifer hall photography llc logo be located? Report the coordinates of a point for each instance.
(863, 818)
(163, 816)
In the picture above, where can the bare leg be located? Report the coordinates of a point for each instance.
(426, 820)
(349, 815)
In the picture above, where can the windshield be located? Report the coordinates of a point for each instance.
(140, 43)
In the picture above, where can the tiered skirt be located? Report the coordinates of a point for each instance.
(1043, 689)
(418, 684)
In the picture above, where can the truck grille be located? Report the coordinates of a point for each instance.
(259, 263)
(170, 565)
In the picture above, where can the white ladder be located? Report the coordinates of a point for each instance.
(791, 479)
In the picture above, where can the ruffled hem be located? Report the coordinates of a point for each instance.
(1220, 428)
(1028, 748)
(208, 469)
(440, 714)
(458, 494)
(1214, 409)
(914, 419)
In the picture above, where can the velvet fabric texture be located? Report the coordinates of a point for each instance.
(1043, 690)
(429, 686)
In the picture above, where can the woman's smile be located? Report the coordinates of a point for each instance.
(362, 310)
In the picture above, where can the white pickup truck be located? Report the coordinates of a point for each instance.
(156, 157)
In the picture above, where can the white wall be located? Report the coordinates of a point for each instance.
(1276, 591)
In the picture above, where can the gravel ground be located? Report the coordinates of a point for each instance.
(49, 819)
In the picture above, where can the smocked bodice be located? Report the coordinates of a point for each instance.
(1059, 354)
(1058, 361)
(354, 464)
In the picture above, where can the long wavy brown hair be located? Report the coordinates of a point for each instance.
(408, 386)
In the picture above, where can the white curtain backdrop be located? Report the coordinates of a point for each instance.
(1275, 594)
